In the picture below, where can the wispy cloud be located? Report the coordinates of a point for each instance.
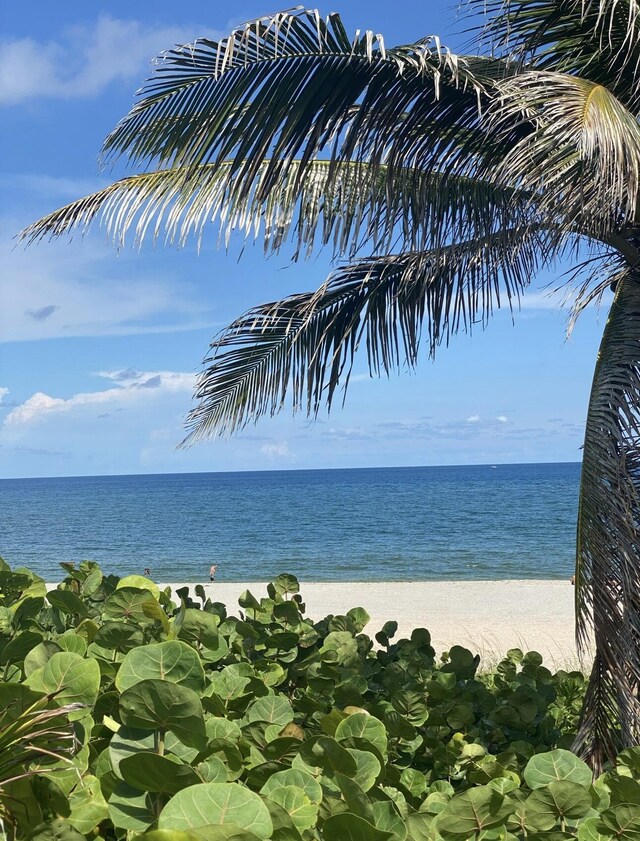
(277, 450)
(88, 290)
(85, 59)
(132, 389)
(42, 313)
(3, 393)
(562, 301)
(473, 419)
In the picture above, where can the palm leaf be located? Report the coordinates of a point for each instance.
(296, 87)
(351, 205)
(596, 39)
(581, 157)
(608, 552)
(306, 344)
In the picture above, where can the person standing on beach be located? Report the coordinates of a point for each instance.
(212, 572)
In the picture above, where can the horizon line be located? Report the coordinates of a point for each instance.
(285, 470)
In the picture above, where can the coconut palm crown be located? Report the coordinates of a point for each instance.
(443, 184)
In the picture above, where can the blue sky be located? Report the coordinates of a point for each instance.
(99, 348)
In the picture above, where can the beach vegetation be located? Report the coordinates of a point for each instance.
(170, 718)
(443, 183)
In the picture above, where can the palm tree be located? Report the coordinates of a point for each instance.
(443, 183)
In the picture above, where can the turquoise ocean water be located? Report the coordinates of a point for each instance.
(395, 524)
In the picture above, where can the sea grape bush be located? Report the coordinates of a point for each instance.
(180, 722)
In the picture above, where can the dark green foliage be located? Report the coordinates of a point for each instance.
(266, 725)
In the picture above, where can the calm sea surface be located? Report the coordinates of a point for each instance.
(412, 523)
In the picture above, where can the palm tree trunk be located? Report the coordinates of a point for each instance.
(608, 545)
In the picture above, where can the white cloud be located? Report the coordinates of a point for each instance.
(473, 419)
(561, 300)
(3, 393)
(502, 418)
(140, 386)
(276, 450)
(85, 59)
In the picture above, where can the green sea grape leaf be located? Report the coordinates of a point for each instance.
(27, 608)
(56, 830)
(70, 641)
(294, 777)
(560, 799)
(26, 810)
(151, 772)
(281, 747)
(359, 617)
(558, 764)
(592, 829)
(283, 585)
(50, 796)
(161, 705)
(623, 790)
(231, 681)
(222, 832)
(173, 661)
(387, 818)
(67, 602)
(88, 806)
(217, 803)
(248, 601)
(15, 698)
(325, 752)
(365, 726)
(272, 708)
(283, 826)
(295, 802)
(118, 635)
(153, 610)
(473, 811)
(624, 820)
(349, 827)
(340, 647)
(38, 657)
(200, 627)
(414, 781)
(411, 705)
(127, 742)
(368, 767)
(630, 758)
(131, 809)
(398, 726)
(222, 728)
(19, 647)
(271, 674)
(357, 801)
(127, 603)
(212, 770)
(73, 679)
(140, 583)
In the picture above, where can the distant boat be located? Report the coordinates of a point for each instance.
(494, 466)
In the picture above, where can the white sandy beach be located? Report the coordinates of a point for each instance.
(487, 616)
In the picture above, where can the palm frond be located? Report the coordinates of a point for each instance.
(591, 279)
(596, 39)
(608, 549)
(348, 205)
(295, 86)
(305, 345)
(581, 156)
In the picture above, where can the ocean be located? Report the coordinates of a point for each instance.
(374, 524)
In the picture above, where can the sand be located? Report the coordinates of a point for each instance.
(488, 617)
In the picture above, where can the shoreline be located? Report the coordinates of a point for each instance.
(487, 616)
